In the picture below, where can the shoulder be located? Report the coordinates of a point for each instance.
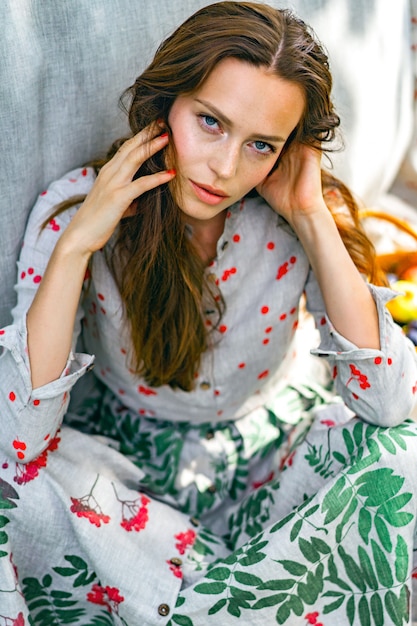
(75, 184)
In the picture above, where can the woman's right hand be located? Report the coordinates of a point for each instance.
(114, 191)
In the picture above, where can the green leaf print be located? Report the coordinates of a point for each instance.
(377, 486)
(387, 442)
(390, 510)
(219, 573)
(383, 533)
(382, 566)
(182, 620)
(367, 569)
(364, 612)
(247, 579)
(352, 569)
(294, 567)
(397, 608)
(217, 607)
(377, 610)
(79, 568)
(7, 495)
(308, 551)
(210, 588)
(372, 458)
(401, 560)
(56, 607)
(365, 524)
(336, 500)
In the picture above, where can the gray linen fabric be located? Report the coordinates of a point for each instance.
(63, 66)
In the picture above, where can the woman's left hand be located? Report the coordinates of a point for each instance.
(294, 189)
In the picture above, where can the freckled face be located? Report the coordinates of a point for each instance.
(229, 133)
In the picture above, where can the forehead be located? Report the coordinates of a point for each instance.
(253, 97)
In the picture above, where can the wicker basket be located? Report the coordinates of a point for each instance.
(398, 261)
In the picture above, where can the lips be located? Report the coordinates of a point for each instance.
(207, 194)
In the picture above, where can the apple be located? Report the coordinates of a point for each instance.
(410, 274)
(403, 308)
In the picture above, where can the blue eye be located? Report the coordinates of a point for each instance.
(210, 121)
(263, 147)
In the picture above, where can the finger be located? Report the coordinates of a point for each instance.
(146, 183)
(125, 164)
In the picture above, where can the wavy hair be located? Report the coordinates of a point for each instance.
(159, 274)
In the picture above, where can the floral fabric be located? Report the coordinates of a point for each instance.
(259, 496)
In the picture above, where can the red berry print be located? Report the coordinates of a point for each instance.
(269, 329)
(265, 310)
(265, 342)
(263, 374)
(222, 328)
(28, 472)
(147, 391)
(88, 507)
(175, 569)
(356, 374)
(12, 396)
(389, 361)
(31, 271)
(334, 375)
(109, 597)
(84, 172)
(283, 317)
(270, 245)
(184, 540)
(19, 445)
(37, 279)
(228, 273)
(285, 267)
(378, 360)
(236, 238)
(241, 366)
(135, 514)
(100, 296)
(36, 402)
(323, 321)
(23, 275)
(53, 225)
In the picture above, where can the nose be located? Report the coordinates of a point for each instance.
(224, 161)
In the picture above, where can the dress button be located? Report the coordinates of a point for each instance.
(210, 435)
(212, 489)
(194, 521)
(163, 609)
(205, 385)
(176, 561)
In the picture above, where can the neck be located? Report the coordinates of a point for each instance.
(205, 235)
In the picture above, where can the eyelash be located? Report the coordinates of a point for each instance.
(202, 117)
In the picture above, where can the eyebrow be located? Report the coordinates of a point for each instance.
(225, 120)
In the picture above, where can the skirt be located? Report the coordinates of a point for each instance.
(301, 515)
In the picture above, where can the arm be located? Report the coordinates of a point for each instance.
(51, 317)
(294, 191)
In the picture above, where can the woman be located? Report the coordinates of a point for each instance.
(201, 478)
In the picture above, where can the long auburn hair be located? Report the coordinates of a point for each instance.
(159, 273)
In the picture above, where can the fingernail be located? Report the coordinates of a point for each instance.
(163, 135)
(173, 172)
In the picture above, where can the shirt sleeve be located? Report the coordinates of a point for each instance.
(380, 386)
(31, 417)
